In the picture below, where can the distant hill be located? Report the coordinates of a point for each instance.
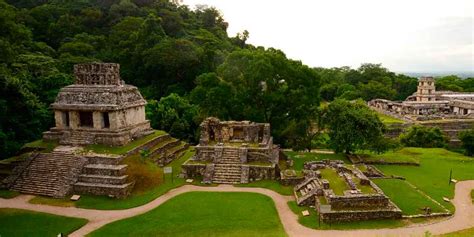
(439, 74)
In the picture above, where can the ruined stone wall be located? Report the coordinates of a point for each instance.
(347, 216)
(262, 172)
(362, 200)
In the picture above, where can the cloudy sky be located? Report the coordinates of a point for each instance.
(403, 35)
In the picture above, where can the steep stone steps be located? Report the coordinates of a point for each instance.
(105, 169)
(77, 139)
(227, 173)
(305, 192)
(103, 179)
(172, 151)
(113, 190)
(104, 176)
(49, 174)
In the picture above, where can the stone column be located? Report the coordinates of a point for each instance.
(97, 120)
(58, 118)
(113, 120)
(74, 119)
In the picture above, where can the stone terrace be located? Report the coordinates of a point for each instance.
(343, 193)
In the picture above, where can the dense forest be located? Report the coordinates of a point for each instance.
(183, 61)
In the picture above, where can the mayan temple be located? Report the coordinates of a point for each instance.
(99, 108)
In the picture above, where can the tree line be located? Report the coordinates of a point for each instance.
(183, 61)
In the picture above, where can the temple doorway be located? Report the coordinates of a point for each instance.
(86, 119)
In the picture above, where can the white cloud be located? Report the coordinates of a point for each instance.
(404, 35)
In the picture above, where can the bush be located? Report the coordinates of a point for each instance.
(144, 172)
(420, 136)
(467, 139)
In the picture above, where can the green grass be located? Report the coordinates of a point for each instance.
(461, 233)
(61, 202)
(406, 155)
(336, 183)
(137, 199)
(203, 214)
(98, 148)
(270, 184)
(47, 146)
(406, 197)
(312, 221)
(389, 119)
(299, 158)
(17, 222)
(7, 194)
(432, 176)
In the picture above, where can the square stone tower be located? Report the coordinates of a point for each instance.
(426, 89)
(99, 108)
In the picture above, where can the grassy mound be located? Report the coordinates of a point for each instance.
(389, 119)
(27, 223)
(203, 214)
(146, 191)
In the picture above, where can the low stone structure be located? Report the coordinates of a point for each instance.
(361, 199)
(233, 152)
(99, 108)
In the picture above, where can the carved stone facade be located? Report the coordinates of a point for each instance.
(233, 152)
(98, 108)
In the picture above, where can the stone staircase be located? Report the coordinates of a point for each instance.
(230, 156)
(227, 173)
(228, 169)
(49, 174)
(104, 176)
(77, 139)
(305, 192)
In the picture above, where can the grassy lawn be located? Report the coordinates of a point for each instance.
(203, 214)
(97, 148)
(336, 183)
(432, 175)
(27, 223)
(270, 184)
(407, 155)
(461, 233)
(406, 197)
(48, 146)
(312, 221)
(61, 202)
(299, 158)
(137, 198)
(7, 194)
(389, 119)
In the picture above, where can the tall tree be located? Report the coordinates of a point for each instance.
(353, 126)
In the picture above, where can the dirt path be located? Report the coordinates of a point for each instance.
(463, 218)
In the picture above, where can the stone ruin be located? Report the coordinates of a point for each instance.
(361, 199)
(233, 152)
(99, 108)
(429, 104)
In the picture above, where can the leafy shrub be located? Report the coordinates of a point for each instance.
(467, 139)
(420, 136)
